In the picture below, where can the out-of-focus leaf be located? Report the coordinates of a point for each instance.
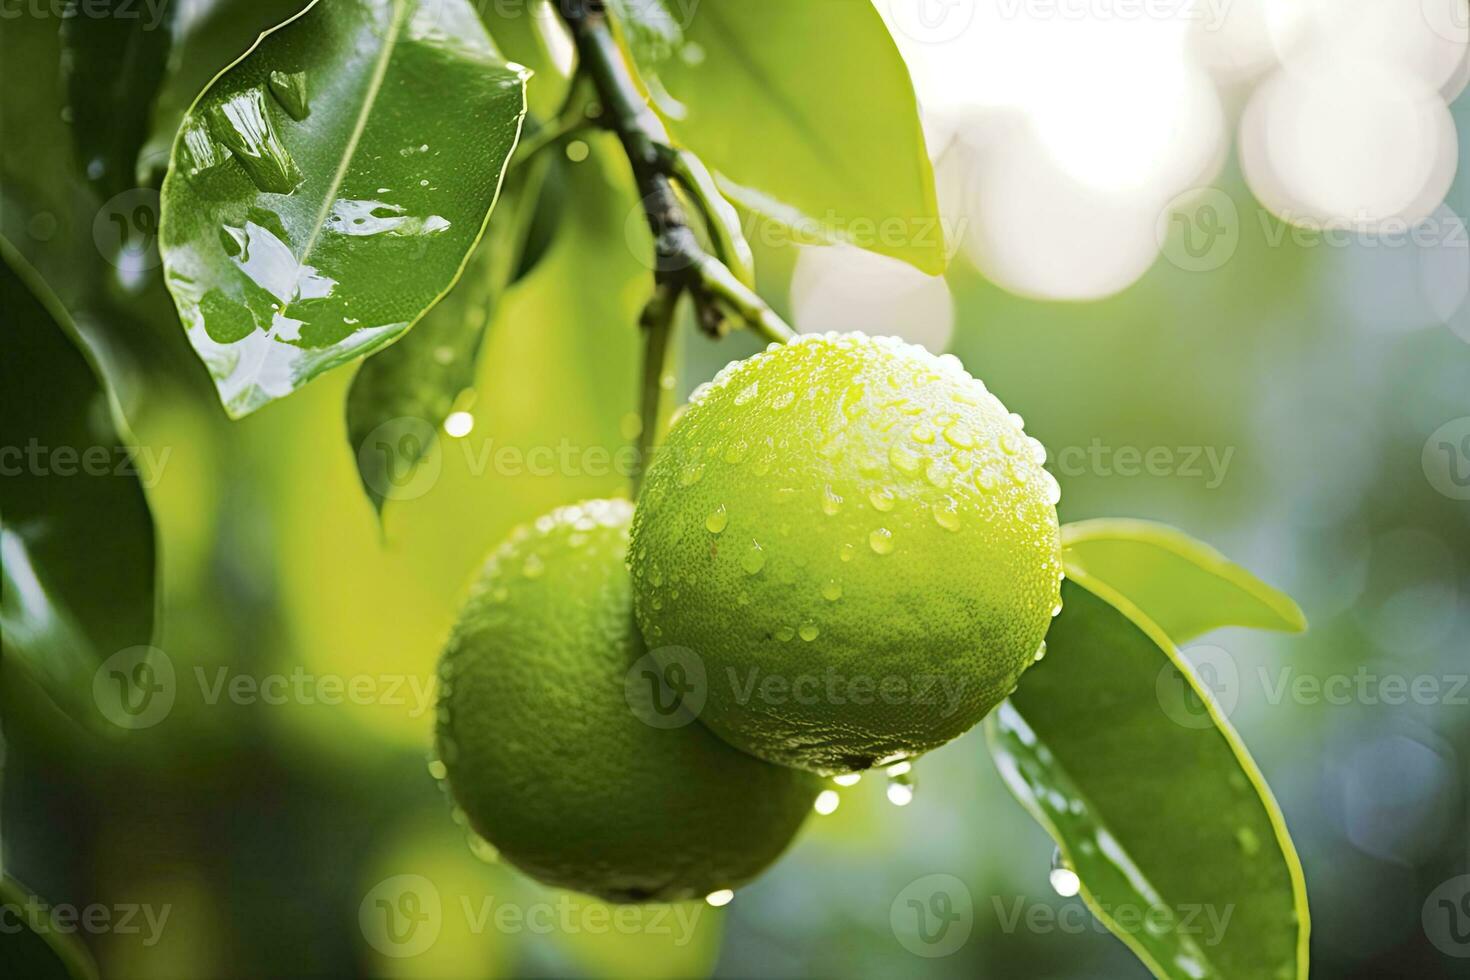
(650, 28)
(401, 397)
(327, 190)
(33, 944)
(1183, 585)
(807, 110)
(1181, 850)
(76, 535)
(520, 29)
(208, 36)
(115, 54)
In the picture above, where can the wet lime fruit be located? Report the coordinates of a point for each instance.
(557, 757)
(858, 540)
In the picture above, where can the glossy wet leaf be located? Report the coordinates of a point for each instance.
(401, 397)
(115, 53)
(838, 154)
(294, 245)
(1183, 585)
(76, 535)
(33, 944)
(1115, 748)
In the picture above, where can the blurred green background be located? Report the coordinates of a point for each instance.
(1312, 374)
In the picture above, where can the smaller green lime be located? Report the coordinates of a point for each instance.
(566, 751)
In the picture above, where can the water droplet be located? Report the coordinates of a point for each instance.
(736, 450)
(533, 567)
(365, 219)
(959, 436)
(882, 499)
(937, 474)
(1051, 488)
(483, 849)
(1012, 443)
(847, 779)
(1056, 610)
(904, 460)
(922, 433)
(846, 552)
(947, 514)
(831, 502)
(900, 792)
(437, 769)
(881, 541)
(242, 124)
(785, 633)
(289, 88)
(826, 802)
(656, 576)
(718, 520)
(748, 393)
(1040, 653)
(832, 591)
(691, 474)
(1064, 880)
(459, 424)
(783, 401)
(809, 631)
(719, 899)
(754, 559)
(1249, 842)
(900, 768)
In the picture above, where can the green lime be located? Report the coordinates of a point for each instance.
(858, 540)
(568, 748)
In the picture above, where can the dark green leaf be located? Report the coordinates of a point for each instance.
(76, 542)
(1179, 846)
(292, 246)
(807, 112)
(1183, 585)
(33, 944)
(115, 53)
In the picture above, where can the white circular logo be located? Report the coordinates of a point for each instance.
(1199, 230)
(932, 21)
(1446, 917)
(399, 460)
(667, 687)
(1450, 19)
(933, 915)
(135, 688)
(401, 916)
(1216, 672)
(1446, 459)
(125, 230)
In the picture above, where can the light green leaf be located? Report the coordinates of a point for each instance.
(807, 111)
(115, 54)
(35, 945)
(1181, 850)
(1181, 584)
(326, 190)
(520, 29)
(76, 536)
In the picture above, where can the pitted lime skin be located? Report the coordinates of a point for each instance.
(549, 761)
(859, 541)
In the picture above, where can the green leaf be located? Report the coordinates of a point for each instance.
(33, 944)
(327, 189)
(520, 28)
(807, 112)
(401, 397)
(1183, 585)
(76, 535)
(1162, 814)
(115, 54)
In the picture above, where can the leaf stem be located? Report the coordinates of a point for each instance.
(657, 322)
